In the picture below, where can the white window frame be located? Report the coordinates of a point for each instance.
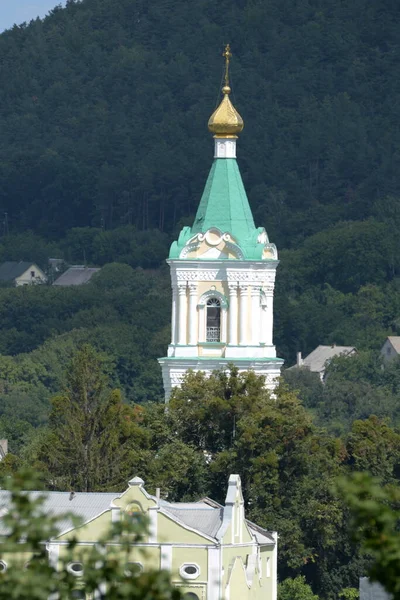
(185, 575)
(202, 308)
(135, 563)
(70, 568)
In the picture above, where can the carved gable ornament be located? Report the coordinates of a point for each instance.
(213, 244)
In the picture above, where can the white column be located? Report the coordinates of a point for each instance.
(233, 314)
(192, 314)
(182, 340)
(166, 557)
(255, 316)
(264, 324)
(173, 316)
(224, 325)
(243, 291)
(214, 574)
(202, 327)
(269, 319)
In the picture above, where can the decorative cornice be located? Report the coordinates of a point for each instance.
(264, 277)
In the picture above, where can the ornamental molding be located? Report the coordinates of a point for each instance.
(198, 275)
(177, 378)
(251, 276)
(268, 289)
(265, 277)
(213, 237)
(192, 285)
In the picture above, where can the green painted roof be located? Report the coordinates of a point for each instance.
(224, 202)
(224, 206)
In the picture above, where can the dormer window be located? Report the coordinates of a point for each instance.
(213, 332)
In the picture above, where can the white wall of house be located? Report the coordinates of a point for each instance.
(33, 275)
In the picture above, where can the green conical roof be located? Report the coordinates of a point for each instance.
(224, 205)
(224, 202)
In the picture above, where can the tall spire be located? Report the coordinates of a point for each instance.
(225, 122)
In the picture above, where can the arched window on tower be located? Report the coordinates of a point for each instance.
(213, 320)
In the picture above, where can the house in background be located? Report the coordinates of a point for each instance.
(21, 273)
(211, 550)
(391, 348)
(76, 275)
(372, 590)
(318, 359)
(3, 449)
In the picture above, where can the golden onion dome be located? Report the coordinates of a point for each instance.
(225, 120)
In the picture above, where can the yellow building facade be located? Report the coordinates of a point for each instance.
(211, 551)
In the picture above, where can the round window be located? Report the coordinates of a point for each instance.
(189, 571)
(133, 568)
(76, 568)
(3, 566)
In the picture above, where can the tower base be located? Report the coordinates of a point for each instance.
(174, 369)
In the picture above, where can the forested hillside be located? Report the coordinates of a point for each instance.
(104, 108)
(103, 119)
(104, 152)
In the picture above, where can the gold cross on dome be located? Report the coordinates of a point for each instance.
(228, 55)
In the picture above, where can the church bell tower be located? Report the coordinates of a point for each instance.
(222, 272)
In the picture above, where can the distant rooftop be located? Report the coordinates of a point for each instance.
(372, 590)
(76, 275)
(395, 341)
(11, 269)
(317, 360)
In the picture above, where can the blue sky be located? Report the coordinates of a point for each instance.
(18, 11)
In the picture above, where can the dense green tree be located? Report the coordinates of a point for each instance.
(375, 523)
(93, 436)
(295, 589)
(232, 420)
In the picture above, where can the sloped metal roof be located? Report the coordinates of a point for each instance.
(83, 505)
(11, 269)
(205, 516)
(206, 520)
(317, 359)
(395, 341)
(76, 276)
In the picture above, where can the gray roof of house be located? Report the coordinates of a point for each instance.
(372, 590)
(200, 517)
(317, 359)
(11, 269)
(395, 341)
(76, 276)
(83, 505)
(204, 516)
